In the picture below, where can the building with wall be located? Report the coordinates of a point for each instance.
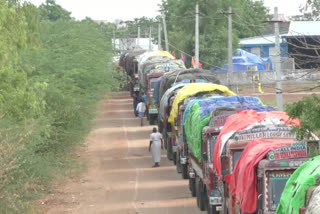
(299, 42)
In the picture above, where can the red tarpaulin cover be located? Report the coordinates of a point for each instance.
(243, 181)
(241, 121)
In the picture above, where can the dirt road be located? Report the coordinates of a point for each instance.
(119, 177)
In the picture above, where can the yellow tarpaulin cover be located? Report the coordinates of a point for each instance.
(154, 54)
(192, 89)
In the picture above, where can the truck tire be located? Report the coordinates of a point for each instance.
(169, 150)
(174, 159)
(179, 169)
(192, 186)
(165, 139)
(151, 119)
(212, 209)
(184, 169)
(200, 195)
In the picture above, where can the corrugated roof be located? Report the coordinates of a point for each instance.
(296, 29)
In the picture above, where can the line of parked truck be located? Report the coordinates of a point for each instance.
(237, 153)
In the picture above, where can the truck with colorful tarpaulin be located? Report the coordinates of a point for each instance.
(169, 85)
(255, 154)
(150, 71)
(197, 146)
(301, 193)
(193, 89)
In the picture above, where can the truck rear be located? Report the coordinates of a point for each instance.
(257, 160)
(200, 141)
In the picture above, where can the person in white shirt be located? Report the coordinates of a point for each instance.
(141, 108)
(156, 145)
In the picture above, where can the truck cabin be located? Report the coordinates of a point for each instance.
(272, 174)
(151, 86)
(274, 171)
(235, 145)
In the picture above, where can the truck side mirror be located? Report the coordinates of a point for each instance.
(205, 156)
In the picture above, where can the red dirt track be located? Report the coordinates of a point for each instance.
(119, 177)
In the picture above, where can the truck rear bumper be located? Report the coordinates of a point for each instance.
(174, 148)
(183, 160)
(192, 175)
(153, 111)
(216, 201)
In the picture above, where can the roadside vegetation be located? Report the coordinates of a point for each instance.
(53, 72)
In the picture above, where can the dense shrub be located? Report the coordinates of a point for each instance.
(53, 73)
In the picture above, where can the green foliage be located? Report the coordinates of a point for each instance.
(308, 111)
(311, 10)
(52, 73)
(247, 21)
(52, 11)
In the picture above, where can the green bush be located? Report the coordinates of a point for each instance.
(54, 74)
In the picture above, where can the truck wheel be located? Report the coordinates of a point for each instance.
(174, 158)
(179, 170)
(165, 139)
(169, 150)
(212, 209)
(151, 119)
(192, 186)
(200, 196)
(184, 169)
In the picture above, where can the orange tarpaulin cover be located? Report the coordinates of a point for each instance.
(243, 181)
(241, 121)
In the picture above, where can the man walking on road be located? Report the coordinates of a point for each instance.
(141, 108)
(156, 144)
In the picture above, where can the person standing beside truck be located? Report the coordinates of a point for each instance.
(135, 103)
(144, 98)
(141, 108)
(156, 145)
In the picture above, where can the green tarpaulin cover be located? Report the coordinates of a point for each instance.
(294, 193)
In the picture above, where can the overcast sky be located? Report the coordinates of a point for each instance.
(130, 9)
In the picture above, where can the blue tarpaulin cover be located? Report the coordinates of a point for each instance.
(199, 112)
(242, 59)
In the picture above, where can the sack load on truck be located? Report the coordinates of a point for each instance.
(298, 190)
(165, 102)
(156, 68)
(198, 113)
(150, 55)
(170, 78)
(130, 61)
(193, 89)
(149, 73)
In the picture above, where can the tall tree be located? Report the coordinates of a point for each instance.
(52, 11)
(248, 20)
(311, 10)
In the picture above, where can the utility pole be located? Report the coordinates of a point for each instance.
(138, 40)
(127, 43)
(165, 31)
(197, 36)
(114, 39)
(279, 98)
(230, 67)
(159, 36)
(150, 43)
